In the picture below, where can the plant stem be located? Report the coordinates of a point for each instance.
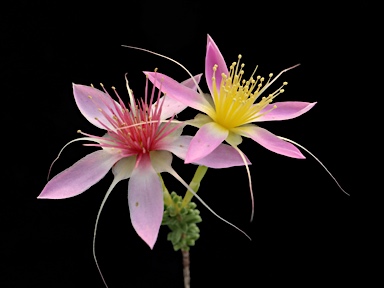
(195, 184)
(186, 272)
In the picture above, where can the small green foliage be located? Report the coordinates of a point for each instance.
(182, 223)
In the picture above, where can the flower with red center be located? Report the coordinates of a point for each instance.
(138, 145)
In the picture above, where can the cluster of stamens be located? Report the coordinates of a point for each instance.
(235, 98)
(131, 129)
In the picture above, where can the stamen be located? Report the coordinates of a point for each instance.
(120, 101)
(238, 62)
(102, 86)
(131, 99)
(254, 71)
(274, 79)
(215, 93)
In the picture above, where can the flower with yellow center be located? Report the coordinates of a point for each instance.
(232, 107)
(235, 97)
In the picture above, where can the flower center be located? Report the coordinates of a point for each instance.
(235, 98)
(135, 129)
(135, 133)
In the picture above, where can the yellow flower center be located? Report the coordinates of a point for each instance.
(235, 98)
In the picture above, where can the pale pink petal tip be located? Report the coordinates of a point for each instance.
(80, 176)
(214, 57)
(94, 104)
(284, 110)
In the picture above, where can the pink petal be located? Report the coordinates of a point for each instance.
(90, 107)
(270, 141)
(178, 91)
(284, 110)
(190, 83)
(178, 146)
(145, 200)
(213, 56)
(223, 156)
(207, 139)
(80, 176)
(171, 106)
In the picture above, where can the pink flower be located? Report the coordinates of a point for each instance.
(138, 144)
(231, 108)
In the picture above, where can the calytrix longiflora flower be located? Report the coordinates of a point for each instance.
(138, 144)
(233, 107)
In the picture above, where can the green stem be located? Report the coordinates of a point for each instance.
(195, 184)
(167, 197)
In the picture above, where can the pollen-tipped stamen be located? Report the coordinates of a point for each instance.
(131, 98)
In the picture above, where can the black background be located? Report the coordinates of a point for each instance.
(305, 230)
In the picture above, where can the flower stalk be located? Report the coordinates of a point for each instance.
(181, 216)
(195, 184)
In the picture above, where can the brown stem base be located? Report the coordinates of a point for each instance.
(186, 273)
